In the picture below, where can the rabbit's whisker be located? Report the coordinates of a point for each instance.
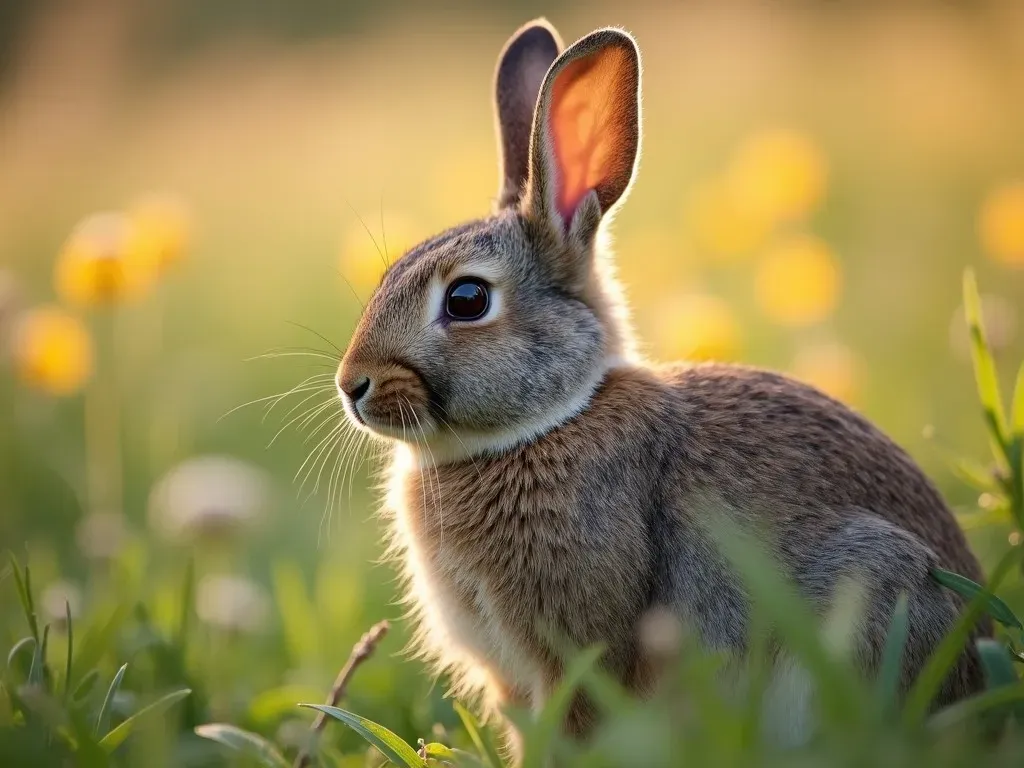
(437, 475)
(300, 387)
(319, 335)
(372, 238)
(308, 414)
(316, 451)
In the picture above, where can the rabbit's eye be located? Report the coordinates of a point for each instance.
(467, 299)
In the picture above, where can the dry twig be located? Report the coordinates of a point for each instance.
(361, 651)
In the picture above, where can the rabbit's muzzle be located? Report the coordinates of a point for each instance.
(389, 399)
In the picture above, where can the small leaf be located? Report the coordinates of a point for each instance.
(942, 659)
(116, 737)
(480, 738)
(103, 719)
(437, 751)
(890, 671)
(975, 475)
(387, 743)
(969, 589)
(984, 366)
(246, 742)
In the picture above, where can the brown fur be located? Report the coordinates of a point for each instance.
(548, 484)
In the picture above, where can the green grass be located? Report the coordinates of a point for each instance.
(137, 680)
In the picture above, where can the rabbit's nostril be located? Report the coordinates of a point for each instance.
(360, 388)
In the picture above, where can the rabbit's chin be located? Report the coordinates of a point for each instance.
(404, 425)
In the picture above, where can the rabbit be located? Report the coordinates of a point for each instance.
(546, 478)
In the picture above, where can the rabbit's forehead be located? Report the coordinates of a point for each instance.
(487, 249)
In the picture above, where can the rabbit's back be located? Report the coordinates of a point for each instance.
(763, 440)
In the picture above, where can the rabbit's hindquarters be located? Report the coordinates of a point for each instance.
(884, 561)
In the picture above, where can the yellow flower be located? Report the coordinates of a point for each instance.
(830, 367)
(1001, 224)
(781, 174)
(699, 327)
(798, 281)
(98, 265)
(723, 222)
(161, 231)
(53, 351)
(364, 254)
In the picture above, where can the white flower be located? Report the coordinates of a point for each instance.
(661, 633)
(232, 603)
(101, 535)
(208, 497)
(57, 599)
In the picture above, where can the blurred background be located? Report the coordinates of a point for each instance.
(186, 189)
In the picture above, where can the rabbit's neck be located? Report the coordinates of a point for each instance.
(458, 446)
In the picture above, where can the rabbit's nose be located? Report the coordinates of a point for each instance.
(354, 387)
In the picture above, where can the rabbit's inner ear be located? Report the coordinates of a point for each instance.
(523, 63)
(587, 129)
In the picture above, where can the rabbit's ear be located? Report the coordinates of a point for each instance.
(521, 68)
(586, 133)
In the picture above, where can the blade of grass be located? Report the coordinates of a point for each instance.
(923, 691)
(999, 610)
(968, 709)
(298, 614)
(71, 648)
(16, 651)
(37, 673)
(888, 681)
(116, 737)
(481, 740)
(23, 583)
(1015, 458)
(99, 638)
(1017, 417)
(245, 742)
(103, 719)
(387, 743)
(85, 686)
(188, 594)
(985, 373)
(998, 669)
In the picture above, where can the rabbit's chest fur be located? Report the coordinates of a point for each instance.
(548, 538)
